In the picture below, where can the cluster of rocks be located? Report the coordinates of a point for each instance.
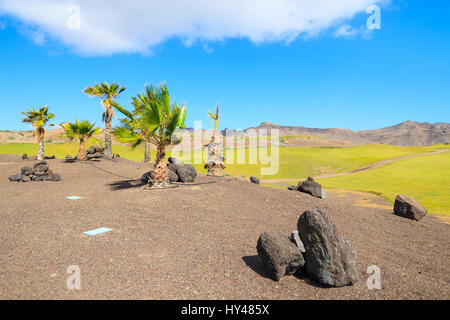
(315, 250)
(25, 157)
(39, 172)
(408, 207)
(95, 152)
(178, 172)
(311, 187)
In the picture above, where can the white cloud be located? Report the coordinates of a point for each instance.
(345, 31)
(115, 26)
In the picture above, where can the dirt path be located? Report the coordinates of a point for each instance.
(368, 167)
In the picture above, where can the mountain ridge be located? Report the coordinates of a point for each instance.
(406, 133)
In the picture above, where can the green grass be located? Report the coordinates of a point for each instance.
(294, 162)
(427, 179)
(424, 178)
(303, 162)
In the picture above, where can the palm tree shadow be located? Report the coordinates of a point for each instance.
(255, 263)
(126, 184)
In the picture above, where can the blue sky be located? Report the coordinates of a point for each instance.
(358, 80)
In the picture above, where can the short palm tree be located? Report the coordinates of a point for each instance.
(107, 92)
(215, 117)
(82, 131)
(38, 119)
(156, 122)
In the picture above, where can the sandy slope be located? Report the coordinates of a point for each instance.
(195, 241)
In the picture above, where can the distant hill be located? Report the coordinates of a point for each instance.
(408, 133)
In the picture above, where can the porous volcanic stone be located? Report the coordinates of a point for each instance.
(186, 173)
(174, 161)
(311, 187)
(329, 258)
(14, 177)
(173, 177)
(56, 177)
(28, 171)
(40, 167)
(408, 207)
(279, 255)
(147, 176)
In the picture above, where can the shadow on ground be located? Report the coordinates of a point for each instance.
(126, 184)
(255, 263)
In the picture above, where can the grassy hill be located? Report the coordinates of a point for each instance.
(426, 178)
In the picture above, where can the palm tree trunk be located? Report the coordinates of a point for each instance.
(161, 173)
(41, 152)
(82, 152)
(108, 142)
(147, 154)
(215, 162)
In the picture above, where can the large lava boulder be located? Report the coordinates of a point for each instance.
(279, 255)
(174, 161)
(329, 258)
(147, 176)
(186, 173)
(310, 186)
(173, 177)
(408, 207)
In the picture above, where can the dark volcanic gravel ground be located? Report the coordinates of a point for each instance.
(192, 242)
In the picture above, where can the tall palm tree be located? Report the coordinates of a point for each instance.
(156, 122)
(83, 131)
(129, 132)
(38, 119)
(107, 92)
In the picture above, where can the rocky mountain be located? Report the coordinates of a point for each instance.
(408, 133)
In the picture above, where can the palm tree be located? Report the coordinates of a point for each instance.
(107, 92)
(156, 122)
(215, 162)
(38, 119)
(130, 132)
(83, 131)
(215, 117)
